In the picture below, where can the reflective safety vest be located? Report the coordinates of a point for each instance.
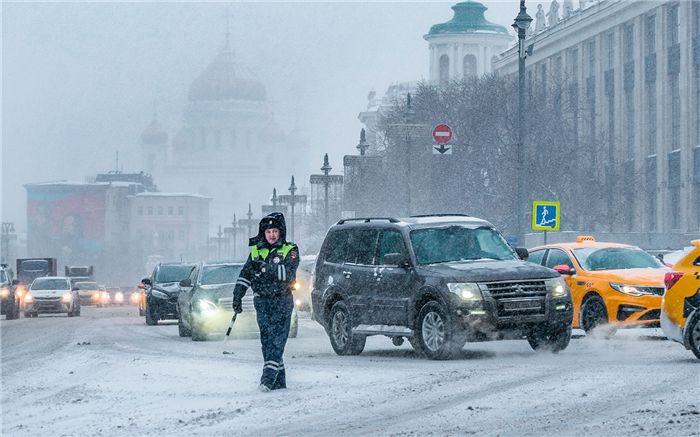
(256, 253)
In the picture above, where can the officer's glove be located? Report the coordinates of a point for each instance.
(237, 305)
(257, 265)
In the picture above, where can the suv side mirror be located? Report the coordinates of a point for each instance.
(15, 282)
(395, 259)
(146, 281)
(186, 283)
(522, 253)
(563, 269)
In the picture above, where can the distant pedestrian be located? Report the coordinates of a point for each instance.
(270, 271)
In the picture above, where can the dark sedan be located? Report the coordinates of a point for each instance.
(162, 290)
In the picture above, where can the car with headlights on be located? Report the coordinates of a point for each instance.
(51, 295)
(438, 281)
(680, 308)
(11, 299)
(612, 285)
(206, 303)
(90, 294)
(161, 291)
(116, 295)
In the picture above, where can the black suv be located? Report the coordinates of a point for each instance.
(8, 291)
(163, 289)
(438, 281)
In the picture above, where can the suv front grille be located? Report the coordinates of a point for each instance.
(226, 303)
(518, 298)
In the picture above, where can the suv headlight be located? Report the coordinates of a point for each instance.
(159, 294)
(632, 290)
(559, 287)
(66, 297)
(465, 290)
(28, 298)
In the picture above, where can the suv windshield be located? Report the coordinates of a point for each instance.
(85, 286)
(615, 258)
(50, 284)
(221, 274)
(173, 273)
(459, 243)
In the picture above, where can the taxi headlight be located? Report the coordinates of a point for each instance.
(205, 305)
(632, 290)
(66, 297)
(559, 287)
(466, 290)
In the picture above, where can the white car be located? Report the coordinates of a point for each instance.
(52, 294)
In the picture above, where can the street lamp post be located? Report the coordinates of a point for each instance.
(521, 24)
(218, 241)
(234, 224)
(7, 229)
(292, 200)
(249, 222)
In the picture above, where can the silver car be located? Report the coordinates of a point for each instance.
(50, 295)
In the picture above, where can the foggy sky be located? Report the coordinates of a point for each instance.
(79, 80)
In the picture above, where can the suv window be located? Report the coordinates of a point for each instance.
(221, 274)
(459, 243)
(172, 273)
(557, 257)
(363, 244)
(392, 242)
(337, 246)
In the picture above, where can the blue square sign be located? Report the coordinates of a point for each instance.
(545, 216)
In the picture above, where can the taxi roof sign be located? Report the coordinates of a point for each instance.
(545, 216)
(585, 239)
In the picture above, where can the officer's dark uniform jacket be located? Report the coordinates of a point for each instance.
(279, 262)
(270, 271)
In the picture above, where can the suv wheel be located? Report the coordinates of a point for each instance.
(435, 335)
(693, 327)
(198, 333)
(594, 314)
(182, 329)
(545, 337)
(341, 336)
(150, 319)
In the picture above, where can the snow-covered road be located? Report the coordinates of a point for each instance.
(108, 374)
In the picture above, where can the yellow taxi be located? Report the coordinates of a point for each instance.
(680, 314)
(91, 294)
(612, 285)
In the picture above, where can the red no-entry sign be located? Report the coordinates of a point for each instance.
(442, 133)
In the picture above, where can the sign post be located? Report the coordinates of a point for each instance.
(442, 134)
(545, 216)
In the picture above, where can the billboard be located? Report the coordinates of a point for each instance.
(66, 221)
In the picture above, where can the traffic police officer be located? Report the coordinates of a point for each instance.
(270, 271)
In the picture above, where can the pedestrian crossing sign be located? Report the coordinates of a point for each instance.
(545, 216)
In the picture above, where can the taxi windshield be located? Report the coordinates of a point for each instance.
(615, 258)
(459, 243)
(50, 284)
(220, 274)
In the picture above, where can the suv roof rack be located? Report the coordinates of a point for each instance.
(439, 215)
(367, 220)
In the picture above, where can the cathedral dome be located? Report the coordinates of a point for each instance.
(154, 134)
(469, 18)
(226, 79)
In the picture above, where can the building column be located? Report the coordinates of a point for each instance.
(460, 62)
(480, 61)
(452, 61)
(487, 63)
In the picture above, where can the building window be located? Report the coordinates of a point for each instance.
(139, 210)
(170, 210)
(180, 210)
(675, 112)
(611, 50)
(651, 192)
(150, 210)
(160, 210)
(674, 186)
(590, 46)
(469, 65)
(629, 115)
(574, 64)
(181, 235)
(650, 34)
(444, 70)
(674, 24)
(651, 121)
(171, 235)
(628, 45)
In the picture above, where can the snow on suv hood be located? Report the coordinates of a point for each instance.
(214, 292)
(487, 270)
(168, 287)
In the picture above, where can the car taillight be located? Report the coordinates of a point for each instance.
(671, 278)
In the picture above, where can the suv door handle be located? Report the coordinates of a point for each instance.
(347, 274)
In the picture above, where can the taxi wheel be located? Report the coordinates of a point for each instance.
(693, 325)
(344, 342)
(593, 314)
(150, 319)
